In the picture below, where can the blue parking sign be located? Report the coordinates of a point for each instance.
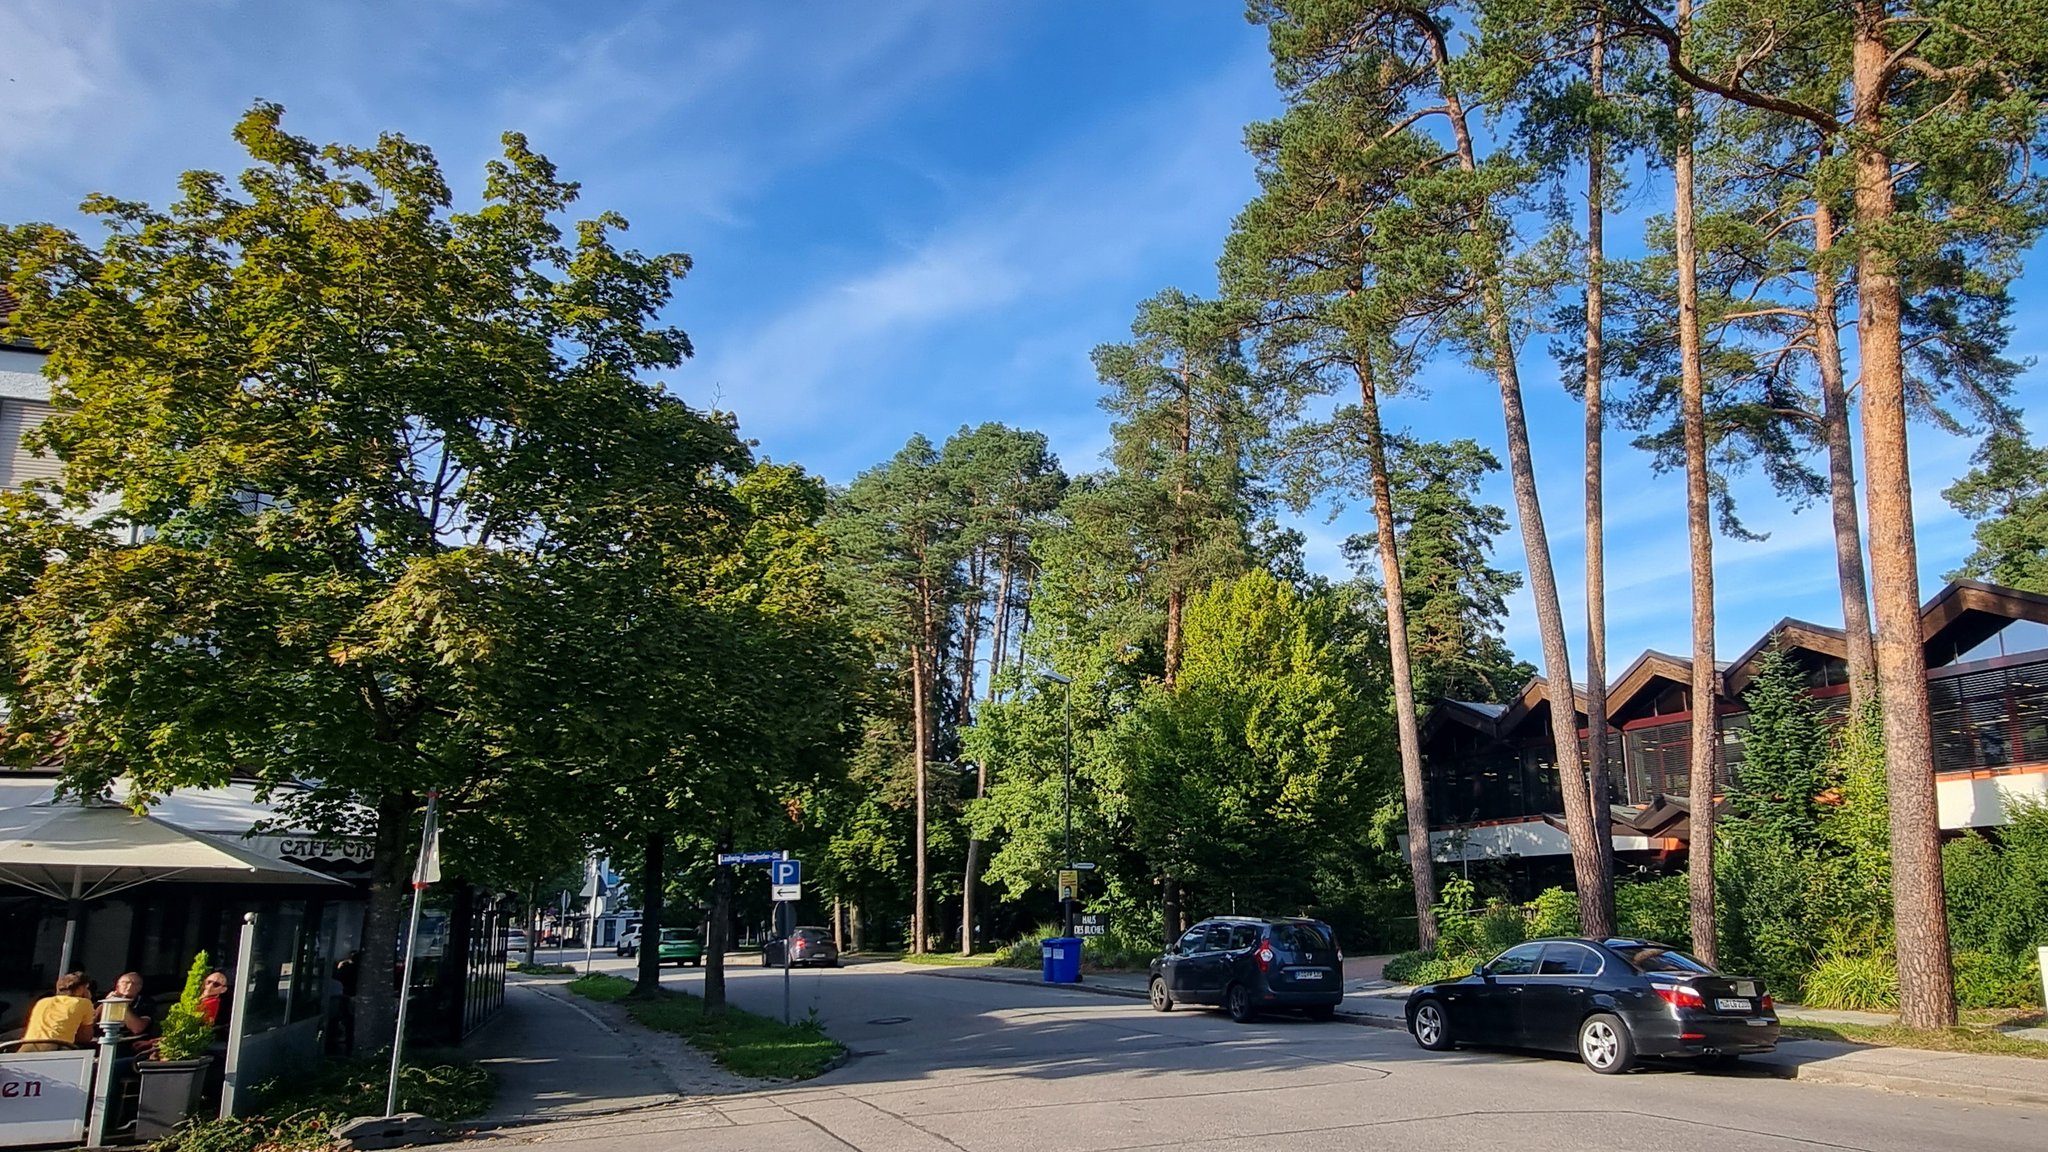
(785, 872)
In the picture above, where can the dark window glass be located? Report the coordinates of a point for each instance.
(1193, 941)
(1568, 960)
(1234, 937)
(1517, 961)
(1300, 938)
(1653, 959)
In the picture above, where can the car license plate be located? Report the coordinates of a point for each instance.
(1727, 1005)
(1308, 975)
(1745, 988)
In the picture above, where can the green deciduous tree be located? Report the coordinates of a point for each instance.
(1244, 776)
(339, 436)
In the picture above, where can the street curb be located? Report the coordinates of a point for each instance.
(1830, 1072)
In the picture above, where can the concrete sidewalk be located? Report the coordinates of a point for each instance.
(1956, 1075)
(560, 1057)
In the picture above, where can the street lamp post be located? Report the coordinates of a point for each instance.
(1067, 804)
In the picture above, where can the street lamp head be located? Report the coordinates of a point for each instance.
(1058, 679)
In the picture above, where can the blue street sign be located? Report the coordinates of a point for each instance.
(786, 872)
(748, 857)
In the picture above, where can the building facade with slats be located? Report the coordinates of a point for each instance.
(1492, 782)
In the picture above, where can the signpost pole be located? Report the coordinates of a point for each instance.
(784, 915)
(426, 871)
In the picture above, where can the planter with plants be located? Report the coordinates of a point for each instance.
(173, 1081)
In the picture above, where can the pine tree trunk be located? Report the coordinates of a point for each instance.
(1926, 982)
(1557, 668)
(1596, 921)
(918, 708)
(855, 929)
(972, 875)
(1421, 865)
(390, 884)
(1700, 534)
(652, 893)
(1841, 467)
(838, 925)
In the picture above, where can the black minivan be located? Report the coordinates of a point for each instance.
(1249, 965)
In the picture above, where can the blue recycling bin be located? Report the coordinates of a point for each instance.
(1061, 956)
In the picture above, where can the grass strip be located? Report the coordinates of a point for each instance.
(736, 1039)
(1976, 1041)
(950, 959)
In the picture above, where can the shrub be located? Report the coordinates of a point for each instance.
(1854, 983)
(1457, 929)
(1404, 967)
(1502, 927)
(1555, 913)
(1987, 981)
(1659, 909)
(186, 1034)
(1111, 950)
(301, 1116)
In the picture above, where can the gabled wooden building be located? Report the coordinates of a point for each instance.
(1492, 777)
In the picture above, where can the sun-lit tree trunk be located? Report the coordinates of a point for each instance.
(1706, 734)
(1827, 337)
(1594, 890)
(1597, 922)
(1926, 982)
(1421, 865)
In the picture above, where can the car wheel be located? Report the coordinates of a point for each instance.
(1605, 1045)
(1431, 1027)
(1162, 1000)
(1239, 1001)
(1323, 1013)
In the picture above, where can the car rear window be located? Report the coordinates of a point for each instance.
(674, 934)
(1300, 938)
(1647, 960)
(812, 935)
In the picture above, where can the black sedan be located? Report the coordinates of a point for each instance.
(808, 947)
(1247, 965)
(1611, 1001)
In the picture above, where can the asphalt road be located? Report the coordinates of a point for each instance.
(947, 1062)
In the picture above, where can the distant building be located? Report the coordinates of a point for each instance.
(1493, 785)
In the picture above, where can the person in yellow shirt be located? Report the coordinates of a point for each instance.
(62, 1019)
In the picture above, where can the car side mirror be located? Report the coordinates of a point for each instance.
(1483, 972)
(1173, 949)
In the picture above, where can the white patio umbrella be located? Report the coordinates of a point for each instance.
(78, 852)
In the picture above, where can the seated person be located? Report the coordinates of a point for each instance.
(62, 1019)
(212, 993)
(140, 1025)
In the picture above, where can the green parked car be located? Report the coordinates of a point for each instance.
(680, 946)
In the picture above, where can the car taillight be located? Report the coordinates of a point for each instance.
(1265, 957)
(1678, 995)
(798, 946)
(1766, 1004)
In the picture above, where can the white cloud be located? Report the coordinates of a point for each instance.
(60, 57)
(1168, 175)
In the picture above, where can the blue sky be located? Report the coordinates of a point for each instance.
(905, 217)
